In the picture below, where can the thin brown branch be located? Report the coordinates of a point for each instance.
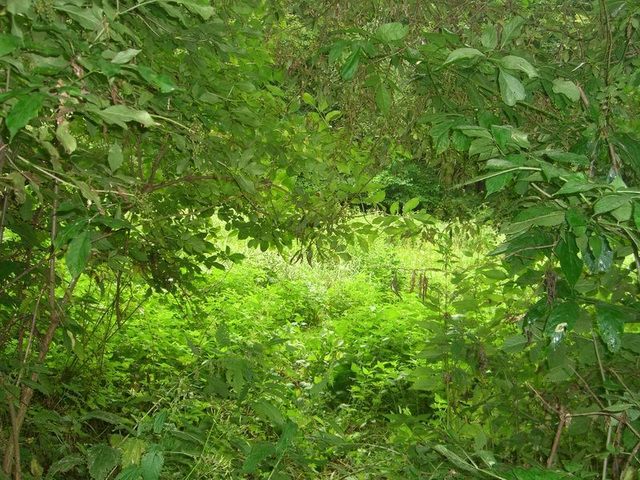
(563, 417)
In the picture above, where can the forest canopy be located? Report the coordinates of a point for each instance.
(408, 217)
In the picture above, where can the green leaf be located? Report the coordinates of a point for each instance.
(259, 452)
(610, 320)
(489, 37)
(567, 252)
(383, 98)
(161, 82)
(463, 54)
(121, 114)
(87, 18)
(512, 29)
(511, 89)
(534, 474)
(65, 138)
(64, 465)
(125, 56)
(575, 186)
(130, 473)
(78, 253)
(201, 7)
(566, 88)
(132, 450)
(410, 205)
(332, 115)
(540, 216)
(577, 221)
(537, 313)
(609, 202)
(289, 431)
(269, 412)
(377, 197)
(101, 459)
(497, 183)
(159, 420)
(115, 157)
(308, 99)
(350, 67)
(636, 214)
(518, 63)
(562, 318)
(151, 465)
(108, 417)
(8, 43)
(455, 459)
(629, 150)
(515, 343)
(439, 132)
(25, 109)
(335, 53)
(623, 212)
(18, 7)
(599, 256)
(502, 135)
(47, 65)
(391, 32)
(566, 157)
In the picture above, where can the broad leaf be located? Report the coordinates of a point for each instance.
(101, 460)
(562, 318)
(159, 421)
(88, 18)
(489, 37)
(512, 29)
(8, 43)
(25, 109)
(161, 82)
(65, 464)
(132, 450)
(391, 32)
(576, 186)
(350, 67)
(511, 89)
(65, 138)
(518, 63)
(610, 202)
(611, 322)
(78, 253)
(497, 183)
(410, 205)
(151, 465)
(566, 88)
(571, 264)
(121, 114)
(463, 54)
(383, 98)
(115, 157)
(18, 7)
(125, 56)
(539, 216)
(566, 157)
(202, 8)
(577, 221)
(259, 452)
(130, 473)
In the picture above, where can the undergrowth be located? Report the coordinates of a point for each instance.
(393, 365)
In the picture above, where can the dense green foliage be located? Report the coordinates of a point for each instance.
(148, 148)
